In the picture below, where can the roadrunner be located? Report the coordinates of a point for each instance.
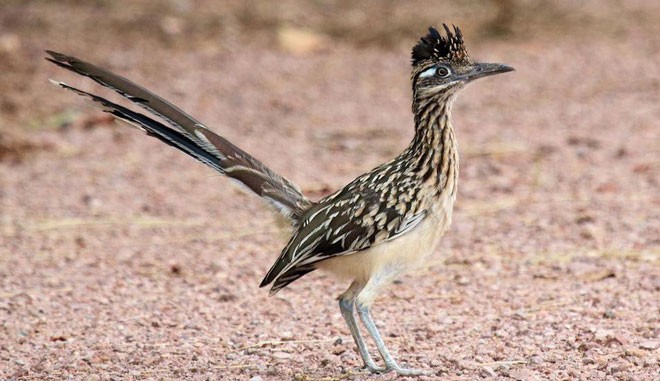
(378, 226)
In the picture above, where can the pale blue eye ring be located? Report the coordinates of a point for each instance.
(430, 72)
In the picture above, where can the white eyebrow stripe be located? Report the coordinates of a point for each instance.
(428, 72)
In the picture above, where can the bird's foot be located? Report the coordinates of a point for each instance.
(373, 368)
(409, 371)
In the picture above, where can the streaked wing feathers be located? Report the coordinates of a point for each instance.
(339, 226)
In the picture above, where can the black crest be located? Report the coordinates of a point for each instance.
(437, 47)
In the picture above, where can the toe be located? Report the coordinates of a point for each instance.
(372, 368)
(411, 372)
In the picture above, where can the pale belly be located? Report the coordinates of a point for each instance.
(381, 264)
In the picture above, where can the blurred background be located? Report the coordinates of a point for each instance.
(558, 202)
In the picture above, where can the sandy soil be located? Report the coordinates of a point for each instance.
(121, 258)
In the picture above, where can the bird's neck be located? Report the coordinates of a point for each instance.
(434, 149)
(432, 120)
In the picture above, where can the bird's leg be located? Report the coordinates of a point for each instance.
(347, 308)
(390, 364)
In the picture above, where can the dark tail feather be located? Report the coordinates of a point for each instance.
(151, 127)
(190, 136)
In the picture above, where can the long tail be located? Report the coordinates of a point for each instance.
(187, 134)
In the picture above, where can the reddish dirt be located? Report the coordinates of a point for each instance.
(121, 258)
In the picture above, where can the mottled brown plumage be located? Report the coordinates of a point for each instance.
(379, 225)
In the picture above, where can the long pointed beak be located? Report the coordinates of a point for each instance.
(486, 69)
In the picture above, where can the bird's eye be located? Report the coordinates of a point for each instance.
(439, 71)
(442, 71)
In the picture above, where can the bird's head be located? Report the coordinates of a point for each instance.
(441, 64)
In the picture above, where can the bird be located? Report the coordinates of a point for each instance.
(381, 224)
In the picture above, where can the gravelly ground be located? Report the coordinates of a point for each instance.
(123, 259)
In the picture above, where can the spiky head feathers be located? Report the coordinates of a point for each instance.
(437, 48)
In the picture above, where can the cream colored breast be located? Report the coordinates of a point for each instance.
(398, 255)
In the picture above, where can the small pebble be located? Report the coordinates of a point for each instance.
(435, 363)
(522, 375)
(463, 281)
(650, 345)
(609, 314)
(536, 360)
(281, 355)
(602, 335)
(588, 360)
(487, 371)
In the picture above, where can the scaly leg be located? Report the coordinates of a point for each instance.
(347, 307)
(390, 364)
